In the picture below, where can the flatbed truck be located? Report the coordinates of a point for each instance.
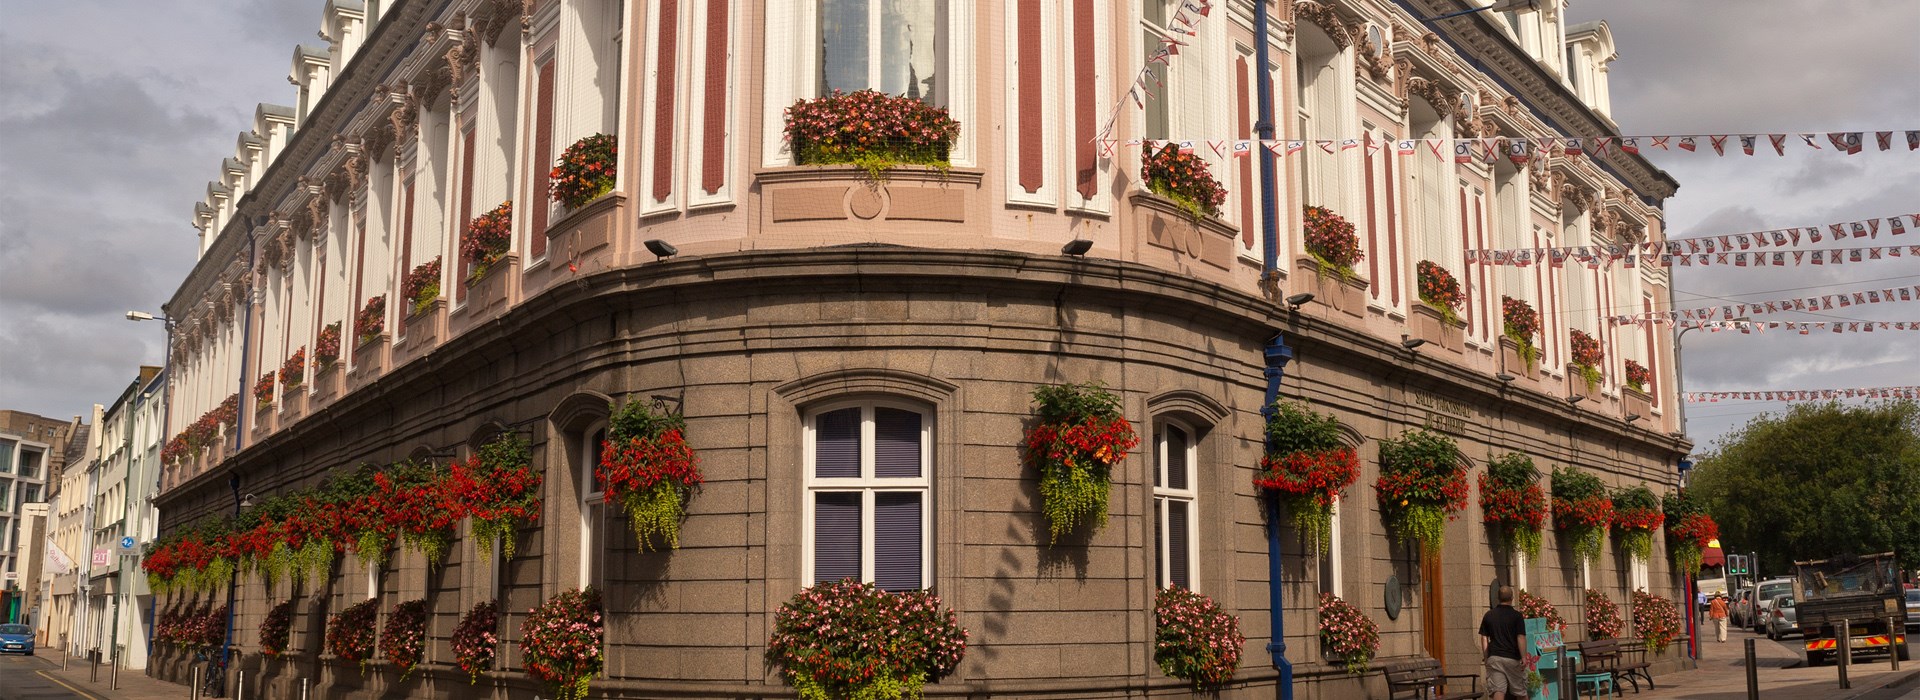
(1861, 591)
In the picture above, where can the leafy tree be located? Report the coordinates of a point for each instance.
(1819, 481)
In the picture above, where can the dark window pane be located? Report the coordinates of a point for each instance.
(896, 444)
(896, 541)
(836, 536)
(836, 444)
(843, 45)
(1178, 557)
(1176, 458)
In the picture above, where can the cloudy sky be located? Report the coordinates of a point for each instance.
(103, 153)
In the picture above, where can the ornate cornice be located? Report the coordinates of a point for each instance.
(1324, 17)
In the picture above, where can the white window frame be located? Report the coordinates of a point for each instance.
(1164, 495)
(867, 485)
(593, 512)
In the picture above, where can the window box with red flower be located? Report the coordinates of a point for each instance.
(561, 642)
(1582, 512)
(1422, 484)
(1440, 290)
(1332, 251)
(404, 639)
(1636, 517)
(326, 363)
(1587, 356)
(1347, 634)
(1513, 503)
(848, 639)
(1655, 619)
(371, 351)
(422, 287)
(371, 322)
(1307, 466)
(870, 130)
(1195, 640)
(350, 632)
(476, 640)
(1638, 376)
(1183, 177)
(263, 391)
(584, 171)
(293, 372)
(1520, 326)
(649, 470)
(415, 501)
(1077, 437)
(486, 240)
(1689, 530)
(1602, 616)
(426, 320)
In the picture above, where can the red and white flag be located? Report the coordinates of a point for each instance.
(1719, 145)
(1884, 139)
(1630, 144)
(1746, 143)
(1811, 142)
(1295, 147)
(1687, 144)
(1660, 142)
(1848, 141)
(1779, 143)
(1894, 227)
(1327, 146)
(1242, 148)
(1517, 152)
(1405, 147)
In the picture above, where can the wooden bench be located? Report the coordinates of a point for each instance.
(1422, 679)
(1622, 660)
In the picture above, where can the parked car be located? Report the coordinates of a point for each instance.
(1780, 619)
(1913, 609)
(16, 639)
(1769, 590)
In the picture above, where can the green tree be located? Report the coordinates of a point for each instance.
(1818, 481)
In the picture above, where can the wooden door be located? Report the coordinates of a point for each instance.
(1433, 634)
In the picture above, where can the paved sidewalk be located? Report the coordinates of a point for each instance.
(73, 682)
(1783, 673)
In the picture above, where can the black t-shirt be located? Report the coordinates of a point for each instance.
(1501, 626)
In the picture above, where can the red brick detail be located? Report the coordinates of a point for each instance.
(663, 107)
(466, 209)
(1086, 159)
(1245, 131)
(713, 145)
(1032, 128)
(542, 161)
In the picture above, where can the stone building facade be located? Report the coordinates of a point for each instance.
(939, 296)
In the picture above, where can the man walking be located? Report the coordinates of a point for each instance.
(1503, 636)
(1718, 611)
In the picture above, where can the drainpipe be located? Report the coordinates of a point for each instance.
(1276, 353)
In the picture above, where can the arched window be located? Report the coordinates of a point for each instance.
(593, 510)
(1175, 506)
(868, 503)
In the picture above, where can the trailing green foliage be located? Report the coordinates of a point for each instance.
(1079, 436)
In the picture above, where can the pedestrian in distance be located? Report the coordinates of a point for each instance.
(1503, 641)
(1718, 611)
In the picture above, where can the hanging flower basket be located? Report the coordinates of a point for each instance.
(1331, 241)
(1348, 633)
(1581, 511)
(326, 347)
(1183, 177)
(404, 639)
(1422, 484)
(415, 501)
(1638, 376)
(1531, 606)
(584, 171)
(422, 286)
(561, 641)
(1512, 501)
(1078, 437)
(1194, 640)
(1307, 467)
(848, 639)
(1587, 357)
(1603, 617)
(647, 467)
(1636, 516)
(350, 632)
(870, 130)
(1656, 619)
(1440, 290)
(499, 489)
(371, 321)
(1521, 323)
(1689, 530)
(486, 240)
(476, 640)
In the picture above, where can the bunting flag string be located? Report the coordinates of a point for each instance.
(1724, 243)
(1823, 302)
(1801, 327)
(1519, 149)
(1181, 30)
(1631, 255)
(1881, 392)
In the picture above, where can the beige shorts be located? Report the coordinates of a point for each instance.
(1506, 675)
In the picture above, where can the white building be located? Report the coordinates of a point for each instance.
(119, 478)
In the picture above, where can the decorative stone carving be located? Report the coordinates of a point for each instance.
(526, 17)
(1324, 17)
(1575, 196)
(492, 17)
(1442, 99)
(1370, 60)
(405, 116)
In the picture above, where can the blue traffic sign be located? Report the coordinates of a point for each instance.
(126, 543)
